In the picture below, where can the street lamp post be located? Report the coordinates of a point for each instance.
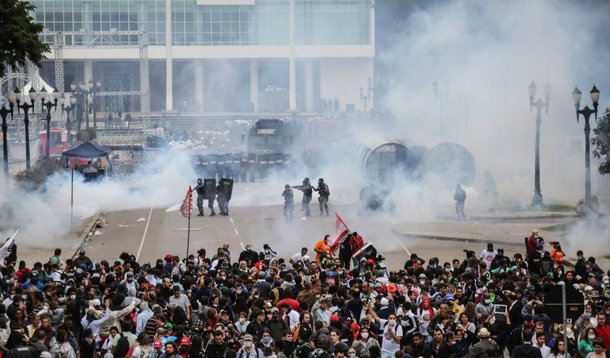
(48, 104)
(26, 120)
(586, 113)
(4, 112)
(68, 109)
(81, 92)
(365, 95)
(539, 104)
(94, 89)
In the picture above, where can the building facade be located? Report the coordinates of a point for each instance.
(220, 55)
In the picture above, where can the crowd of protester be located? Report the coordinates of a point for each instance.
(255, 304)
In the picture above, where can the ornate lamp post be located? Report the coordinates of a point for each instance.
(4, 112)
(586, 113)
(71, 100)
(539, 104)
(26, 120)
(365, 96)
(49, 100)
(94, 89)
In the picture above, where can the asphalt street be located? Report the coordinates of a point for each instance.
(153, 232)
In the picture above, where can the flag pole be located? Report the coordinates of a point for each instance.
(188, 238)
(72, 200)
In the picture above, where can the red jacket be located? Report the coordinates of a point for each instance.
(604, 333)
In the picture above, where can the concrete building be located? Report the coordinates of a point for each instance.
(221, 55)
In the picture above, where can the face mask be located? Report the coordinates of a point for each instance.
(364, 335)
(72, 297)
(487, 301)
(266, 340)
(591, 336)
(423, 282)
(238, 292)
(248, 344)
(392, 322)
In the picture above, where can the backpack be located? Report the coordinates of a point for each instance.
(122, 347)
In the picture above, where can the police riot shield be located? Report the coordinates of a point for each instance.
(209, 186)
(226, 185)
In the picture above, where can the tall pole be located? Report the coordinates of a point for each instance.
(564, 310)
(188, 238)
(539, 104)
(48, 105)
(72, 199)
(537, 200)
(292, 91)
(169, 64)
(4, 113)
(26, 120)
(586, 113)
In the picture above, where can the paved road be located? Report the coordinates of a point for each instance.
(154, 232)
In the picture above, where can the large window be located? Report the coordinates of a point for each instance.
(318, 22)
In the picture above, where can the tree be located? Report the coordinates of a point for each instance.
(19, 35)
(601, 142)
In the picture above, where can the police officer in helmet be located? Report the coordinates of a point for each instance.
(200, 195)
(324, 193)
(307, 190)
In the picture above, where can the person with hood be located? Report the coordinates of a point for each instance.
(128, 284)
(277, 325)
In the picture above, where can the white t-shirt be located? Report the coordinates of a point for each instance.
(388, 344)
(488, 257)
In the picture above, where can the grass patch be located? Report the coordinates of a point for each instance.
(558, 228)
(560, 208)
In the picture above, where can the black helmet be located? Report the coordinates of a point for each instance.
(321, 180)
(199, 181)
(306, 180)
(286, 186)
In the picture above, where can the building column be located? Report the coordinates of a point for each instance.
(142, 18)
(254, 85)
(87, 71)
(199, 100)
(309, 105)
(292, 91)
(169, 64)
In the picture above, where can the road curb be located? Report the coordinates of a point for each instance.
(88, 233)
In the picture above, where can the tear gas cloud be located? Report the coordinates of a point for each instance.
(483, 55)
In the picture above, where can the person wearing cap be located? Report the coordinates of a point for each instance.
(485, 345)
(185, 346)
(248, 349)
(82, 259)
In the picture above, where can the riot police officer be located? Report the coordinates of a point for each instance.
(200, 196)
(307, 190)
(224, 196)
(288, 202)
(324, 193)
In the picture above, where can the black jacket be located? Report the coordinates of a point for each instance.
(526, 351)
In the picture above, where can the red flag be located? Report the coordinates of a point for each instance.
(341, 232)
(187, 204)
